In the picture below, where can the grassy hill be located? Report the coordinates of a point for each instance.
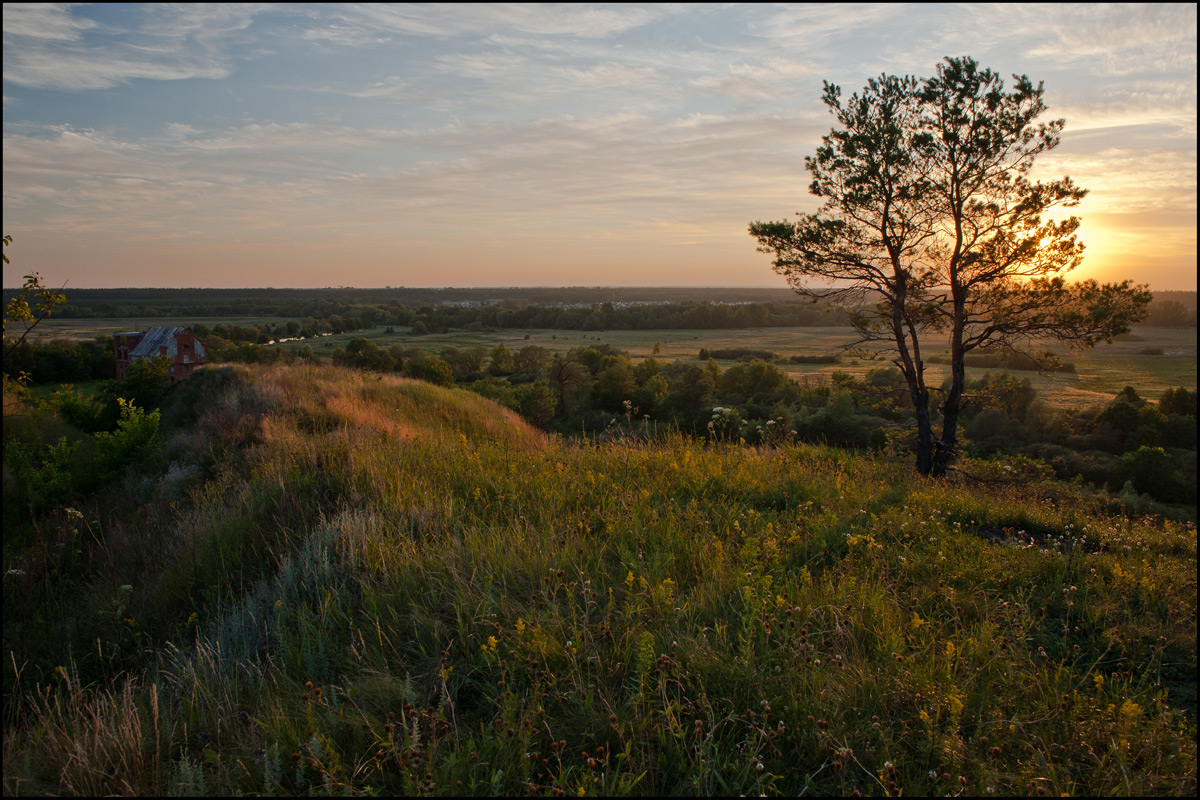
(327, 581)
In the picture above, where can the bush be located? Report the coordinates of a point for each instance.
(536, 403)
(1152, 471)
(135, 434)
(430, 369)
(362, 353)
(147, 382)
(496, 389)
(740, 354)
(756, 380)
(1178, 401)
(85, 413)
(989, 431)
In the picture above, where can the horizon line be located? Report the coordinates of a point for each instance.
(65, 287)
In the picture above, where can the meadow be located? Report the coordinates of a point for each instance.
(318, 580)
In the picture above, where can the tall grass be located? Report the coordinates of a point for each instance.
(376, 585)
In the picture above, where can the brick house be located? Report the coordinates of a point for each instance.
(174, 342)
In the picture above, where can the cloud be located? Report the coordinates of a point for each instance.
(630, 171)
(1124, 181)
(46, 21)
(768, 79)
(49, 49)
(1116, 39)
(434, 128)
(446, 20)
(812, 24)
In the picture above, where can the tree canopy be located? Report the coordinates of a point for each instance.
(932, 226)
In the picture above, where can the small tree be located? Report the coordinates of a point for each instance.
(20, 312)
(147, 382)
(932, 227)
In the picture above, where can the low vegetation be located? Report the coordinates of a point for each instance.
(316, 580)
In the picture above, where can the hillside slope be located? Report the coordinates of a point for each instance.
(346, 583)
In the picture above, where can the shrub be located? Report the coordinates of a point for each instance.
(1178, 401)
(430, 369)
(1151, 471)
(135, 434)
(496, 389)
(536, 402)
(756, 380)
(826, 359)
(741, 354)
(147, 382)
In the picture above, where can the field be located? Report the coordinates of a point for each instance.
(61, 328)
(325, 581)
(1100, 372)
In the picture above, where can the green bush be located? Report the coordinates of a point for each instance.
(133, 439)
(430, 369)
(1178, 401)
(536, 402)
(756, 380)
(1152, 471)
(147, 382)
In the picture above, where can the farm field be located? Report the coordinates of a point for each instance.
(1099, 372)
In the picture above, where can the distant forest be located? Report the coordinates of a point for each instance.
(564, 308)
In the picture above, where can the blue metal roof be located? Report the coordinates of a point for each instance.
(158, 337)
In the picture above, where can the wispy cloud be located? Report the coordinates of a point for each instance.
(446, 20)
(1113, 39)
(47, 48)
(46, 21)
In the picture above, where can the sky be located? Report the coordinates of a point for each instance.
(205, 145)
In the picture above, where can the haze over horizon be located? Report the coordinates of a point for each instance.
(255, 145)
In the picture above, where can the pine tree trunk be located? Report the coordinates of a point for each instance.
(944, 449)
(924, 439)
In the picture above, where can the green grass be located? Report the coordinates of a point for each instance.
(367, 585)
